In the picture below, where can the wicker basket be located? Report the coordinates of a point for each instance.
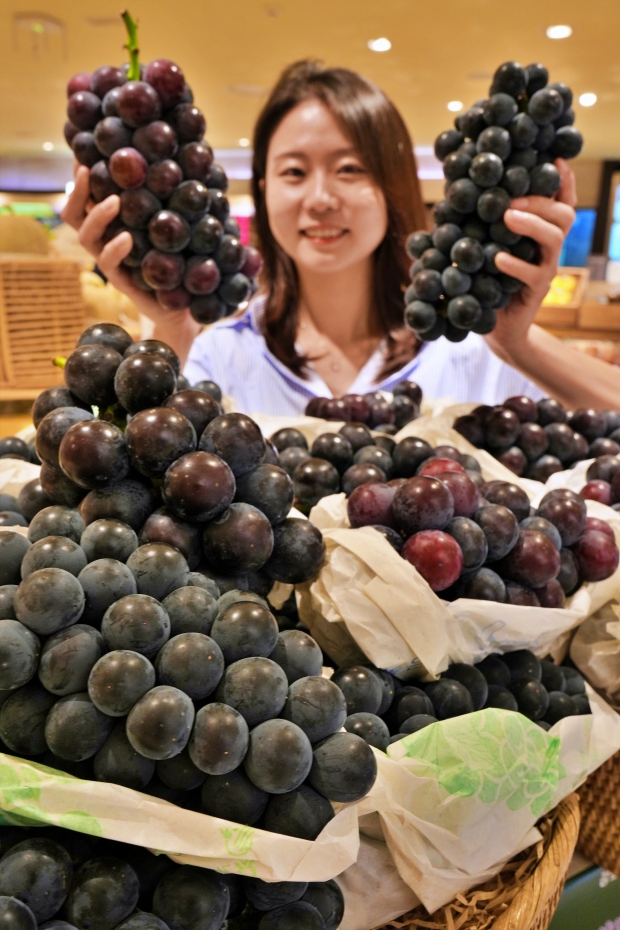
(524, 896)
(41, 316)
(599, 836)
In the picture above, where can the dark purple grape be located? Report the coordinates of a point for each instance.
(202, 276)
(156, 141)
(163, 178)
(156, 438)
(236, 439)
(144, 381)
(169, 231)
(137, 208)
(199, 486)
(84, 109)
(52, 429)
(298, 551)
(206, 235)
(195, 159)
(112, 134)
(240, 540)
(138, 104)
(188, 123)
(94, 454)
(501, 528)
(85, 149)
(155, 347)
(167, 79)
(533, 561)
(129, 501)
(89, 374)
(128, 168)
(220, 207)
(101, 183)
(541, 469)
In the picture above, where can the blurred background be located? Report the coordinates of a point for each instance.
(433, 59)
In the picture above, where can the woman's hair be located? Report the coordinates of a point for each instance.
(380, 136)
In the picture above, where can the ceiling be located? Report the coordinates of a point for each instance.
(232, 51)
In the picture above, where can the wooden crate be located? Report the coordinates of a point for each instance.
(41, 317)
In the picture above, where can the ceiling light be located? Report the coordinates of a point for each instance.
(587, 100)
(244, 143)
(455, 105)
(379, 45)
(559, 32)
(48, 146)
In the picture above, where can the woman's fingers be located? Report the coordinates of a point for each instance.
(517, 268)
(568, 190)
(113, 254)
(94, 225)
(75, 208)
(560, 214)
(549, 236)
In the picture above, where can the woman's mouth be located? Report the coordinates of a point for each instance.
(323, 234)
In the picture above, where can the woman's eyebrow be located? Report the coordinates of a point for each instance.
(351, 150)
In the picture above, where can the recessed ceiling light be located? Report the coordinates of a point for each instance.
(559, 32)
(455, 105)
(48, 146)
(244, 143)
(379, 45)
(588, 100)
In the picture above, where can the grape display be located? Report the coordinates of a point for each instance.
(372, 410)
(535, 440)
(503, 147)
(142, 138)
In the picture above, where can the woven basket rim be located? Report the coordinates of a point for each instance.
(538, 894)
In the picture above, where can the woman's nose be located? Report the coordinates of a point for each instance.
(321, 196)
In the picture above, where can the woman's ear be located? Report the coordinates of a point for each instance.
(261, 185)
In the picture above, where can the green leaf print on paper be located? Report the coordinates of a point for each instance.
(494, 755)
(81, 822)
(239, 841)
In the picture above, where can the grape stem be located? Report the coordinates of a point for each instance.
(59, 361)
(132, 46)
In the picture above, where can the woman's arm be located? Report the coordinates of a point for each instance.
(575, 379)
(176, 328)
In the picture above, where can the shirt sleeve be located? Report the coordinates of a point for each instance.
(199, 366)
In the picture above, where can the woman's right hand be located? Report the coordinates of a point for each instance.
(177, 328)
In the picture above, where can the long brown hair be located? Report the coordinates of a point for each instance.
(380, 136)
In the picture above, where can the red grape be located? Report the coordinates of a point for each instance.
(138, 104)
(199, 486)
(157, 141)
(436, 556)
(163, 178)
(105, 78)
(137, 207)
(422, 503)
(252, 267)
(533, 440)
(470, 427)
(502, 428)
(463, 490)
(508, 495)
(551, 595)
(85, 149)
(568, 514)
(202, 275)
(177, 299)
(521, 596)
(371, 504)
(195, 158)
(596, 555)
(128, 168)
(169, 232)
(167, 79)
(188, 123)
(101, 184)
(533, 561)
(593, 523)
(112, 134)
(79, 81)
(615, 486)
(70, 132)
(162, 271)
(434, 467)
(524, 407)
(84, 109)
(597, 491)
(514, 459)
(191, 200)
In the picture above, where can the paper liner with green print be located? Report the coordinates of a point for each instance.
(459, 798)
(32, 794)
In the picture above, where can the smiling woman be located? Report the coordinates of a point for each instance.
(336, 193)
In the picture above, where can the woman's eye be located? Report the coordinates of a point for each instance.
(293, 173)
(351, 169)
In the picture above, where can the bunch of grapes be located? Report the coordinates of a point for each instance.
(517, 681)
(502, 147)
(342, 461)
(138, 131)
(535, 440)
(372, 409)
(603, 481)
(58, 880)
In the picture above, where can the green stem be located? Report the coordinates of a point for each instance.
(59, 361)
(132, 46)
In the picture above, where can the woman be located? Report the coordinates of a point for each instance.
(336, 193)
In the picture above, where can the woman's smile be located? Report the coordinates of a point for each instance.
(323, 235)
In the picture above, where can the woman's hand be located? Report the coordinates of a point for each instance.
(547, 221)
(175, 327)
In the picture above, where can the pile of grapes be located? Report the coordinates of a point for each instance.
(57, 880)
(535, 440)
(140, 134)
(603, 481)
(502, 147)
(341, 461)
(373, 409)
(517, 681)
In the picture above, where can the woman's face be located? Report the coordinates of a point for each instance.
(324, 208)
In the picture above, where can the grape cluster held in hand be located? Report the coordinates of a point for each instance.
(502, 148)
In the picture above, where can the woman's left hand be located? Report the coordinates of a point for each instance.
(548, 221)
